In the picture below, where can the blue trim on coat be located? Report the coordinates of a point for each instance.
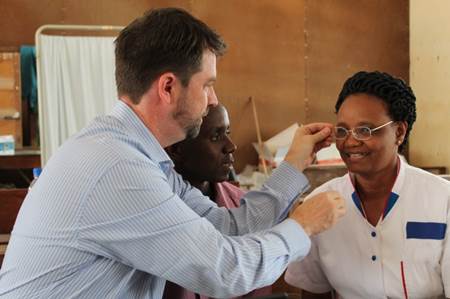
(357, 202)
(425, 230)
(390, 204)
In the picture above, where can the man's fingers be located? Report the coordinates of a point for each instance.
(320, 212)
(315, 127)
(339, 203)
(321, 145)
(321, 135)
(334, 195)
(341, 212)
(341, 206)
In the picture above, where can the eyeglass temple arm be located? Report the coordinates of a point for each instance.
(377, 128)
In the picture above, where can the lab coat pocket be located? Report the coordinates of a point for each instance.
(421, 269)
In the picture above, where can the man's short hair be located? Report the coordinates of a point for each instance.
(163, 40)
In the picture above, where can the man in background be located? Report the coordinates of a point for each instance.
(214, 146)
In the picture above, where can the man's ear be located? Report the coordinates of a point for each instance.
(167, 87)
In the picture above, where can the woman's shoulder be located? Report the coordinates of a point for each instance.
(338, 184)
(417, 176)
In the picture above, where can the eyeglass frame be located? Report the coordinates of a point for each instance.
(354, 134)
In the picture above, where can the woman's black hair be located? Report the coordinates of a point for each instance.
(397, 95)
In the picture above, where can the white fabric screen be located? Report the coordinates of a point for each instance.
(77, 83)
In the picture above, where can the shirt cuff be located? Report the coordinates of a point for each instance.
(296, 238)
(288, 181)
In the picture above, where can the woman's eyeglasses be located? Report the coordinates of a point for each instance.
(359, 133)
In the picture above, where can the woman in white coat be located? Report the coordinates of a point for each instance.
(394, 240)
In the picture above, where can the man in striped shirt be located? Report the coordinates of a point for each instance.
(110, 218)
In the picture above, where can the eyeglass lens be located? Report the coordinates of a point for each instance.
(358, 132)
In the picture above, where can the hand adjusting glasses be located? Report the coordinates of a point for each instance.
(359, 133)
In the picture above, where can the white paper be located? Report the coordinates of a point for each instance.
(7, 145)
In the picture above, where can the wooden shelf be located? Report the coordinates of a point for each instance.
(22, 159)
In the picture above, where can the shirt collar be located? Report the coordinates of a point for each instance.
(136, 127)
(396, 188)
(395, 191)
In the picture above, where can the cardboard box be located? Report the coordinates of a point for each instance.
(275, 149)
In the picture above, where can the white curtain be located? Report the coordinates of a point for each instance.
(77, 83)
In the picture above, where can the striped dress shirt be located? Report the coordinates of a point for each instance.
(110, 218)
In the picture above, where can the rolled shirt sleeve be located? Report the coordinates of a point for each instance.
(259, 210)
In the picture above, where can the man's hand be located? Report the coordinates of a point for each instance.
(320, 212)
(308, 140)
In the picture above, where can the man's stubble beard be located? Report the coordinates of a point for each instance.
(191, 127)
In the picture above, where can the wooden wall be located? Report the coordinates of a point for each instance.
(291, 56)
(430, 73)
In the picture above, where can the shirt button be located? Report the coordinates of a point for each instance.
(374, 257)
(374, 234)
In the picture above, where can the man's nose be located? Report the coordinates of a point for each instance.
(212, 98)
(229, 147)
